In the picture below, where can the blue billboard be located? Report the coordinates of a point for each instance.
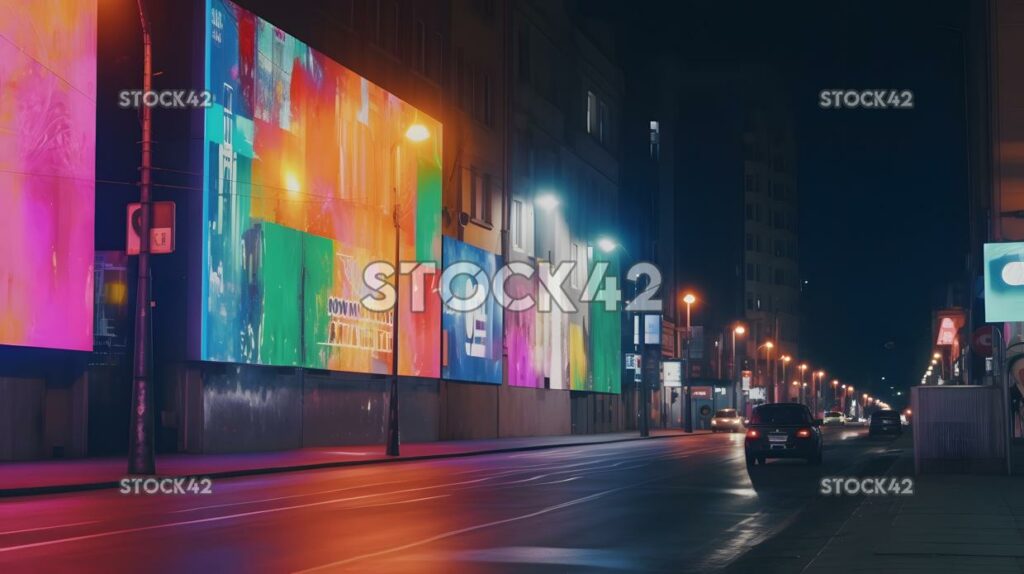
(471, 320)
(1004, 282)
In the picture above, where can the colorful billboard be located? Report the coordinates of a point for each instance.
(523, 334)
(1004, 282)
(473, 337)
(606, 337)
(47, 172)
(308, 167)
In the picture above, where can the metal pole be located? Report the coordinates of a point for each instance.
(735, 381)
(394, 439)
(141, 459)
(688, 419)
(643, 386)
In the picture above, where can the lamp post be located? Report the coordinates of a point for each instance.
(737, 330)
(835, 391)
(803, 373)
(415, 133)
(767, 346)
(141, 459)
(689, 299)
(785, 361)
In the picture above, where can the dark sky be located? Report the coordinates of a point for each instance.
(882, 193)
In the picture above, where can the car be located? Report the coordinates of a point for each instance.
(834, 418)
(726, 420)
(782, 430)
(885, 422)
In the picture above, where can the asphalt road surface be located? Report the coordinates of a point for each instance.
(666, 505)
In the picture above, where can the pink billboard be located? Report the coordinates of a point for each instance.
(47, 172)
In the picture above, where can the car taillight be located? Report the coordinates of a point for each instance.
(752, 433)
(804, 433)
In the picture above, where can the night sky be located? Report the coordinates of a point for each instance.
(883, 225)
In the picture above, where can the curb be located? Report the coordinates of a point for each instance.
(87, 486)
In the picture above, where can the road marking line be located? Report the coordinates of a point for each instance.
(47, 527)
(194, 508)
(179, 523)
(473, 528)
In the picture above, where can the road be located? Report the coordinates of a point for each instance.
(671, 505)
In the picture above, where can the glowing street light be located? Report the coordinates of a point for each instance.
(547, 201)
(417, 133)
(607, 245)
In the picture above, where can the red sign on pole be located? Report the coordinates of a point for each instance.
(161, 228)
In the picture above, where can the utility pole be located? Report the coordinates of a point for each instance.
(140, 437)
(393, 430)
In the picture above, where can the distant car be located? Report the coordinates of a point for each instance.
(885, 422)
(834, 418)
(726, 420)
(782, 430)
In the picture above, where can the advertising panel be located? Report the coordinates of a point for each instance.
(523, 335)
(1004, 282)
(312, 173)
(47, 172)
(605, 336)
(473, 337)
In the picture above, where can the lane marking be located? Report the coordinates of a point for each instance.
(37, 529)
(473, 528)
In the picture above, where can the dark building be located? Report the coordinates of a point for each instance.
(737, 204)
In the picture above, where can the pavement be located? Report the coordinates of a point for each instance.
(951, 524)
(68, 475)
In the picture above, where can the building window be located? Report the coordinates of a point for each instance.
(779, 249)
(517, 224)
(524, 53)
(419, 60)
(750, 301)
(480, 196)
(780, 277)
(591, 112)
(574, 255)
(750, 271)
(435, 59)
(750, 242)
(750, 212)
(655, 139)
(748, 183)
(483, 109)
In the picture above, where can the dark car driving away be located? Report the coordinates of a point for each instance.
(885, 422)
(782, 430)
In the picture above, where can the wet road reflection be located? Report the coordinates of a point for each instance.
(669, 504)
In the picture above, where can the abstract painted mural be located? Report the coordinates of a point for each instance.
(473, 338)
(47, 172)
(523, 334)
(308, 168)
(606, 335)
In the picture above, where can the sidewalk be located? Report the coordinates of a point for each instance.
(952, 523)
(52, 476)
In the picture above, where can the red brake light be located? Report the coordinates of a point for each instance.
(804, 433)
(752, 433)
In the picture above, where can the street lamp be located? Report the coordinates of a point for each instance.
(416, 133)
(546, 201)
(737, 330)
(607, 245)
(785, 361)
(689, 299)
(767, 346)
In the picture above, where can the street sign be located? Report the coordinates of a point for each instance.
(747, 376)
(981, 341)
(672, 373)
(1004, 282)
(632, 362)
(161, 228)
